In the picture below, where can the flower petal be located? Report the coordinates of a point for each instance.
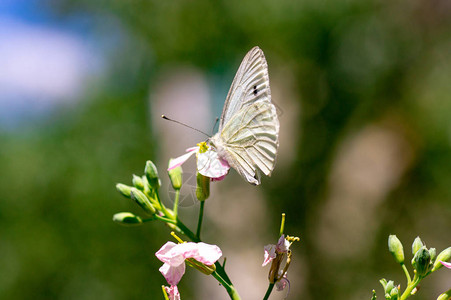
(270, 254)
(211, 165)
(169, 254)
(446, 264)
(282, 245)
(192, 149)
(207, 254)
(202, 252)
(282, 284)
(172, 274)
(173, 292)
(218, 178)
(174, 163)
(174, 255)
(165, 249)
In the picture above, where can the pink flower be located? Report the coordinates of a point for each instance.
(277, 254)
(174, 255)
(173, 292)
(446, 264)
(209, 163)
(272, 250)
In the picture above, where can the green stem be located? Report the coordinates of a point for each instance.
(221, 271)
(268, 291)
(416, 280)
(229, 287)
(201, 216)
(176, 202)
(185, 230)
(162, 207)
(149, 219)
(164, 219)
(407, 273)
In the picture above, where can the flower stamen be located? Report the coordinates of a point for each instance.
(203, 147)
(177, 238)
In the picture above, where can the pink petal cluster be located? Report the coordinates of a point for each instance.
(173, 255)
(209, 163)
(271, 253)
(271, 250)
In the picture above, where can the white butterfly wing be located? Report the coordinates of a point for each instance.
(251, 83)
(249, 130)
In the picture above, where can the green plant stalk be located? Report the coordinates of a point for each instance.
(151, 197)
(163, 208)
(229, 287)
(416, 280)
(201, 216)
(221, 271)
(164, 219)
(268, 291)
(186, 231)
(406, 272)
(176, 202)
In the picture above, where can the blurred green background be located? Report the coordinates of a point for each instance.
(365, 111)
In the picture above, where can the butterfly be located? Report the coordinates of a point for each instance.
(248, 135)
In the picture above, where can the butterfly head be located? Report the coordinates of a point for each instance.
(214, 142)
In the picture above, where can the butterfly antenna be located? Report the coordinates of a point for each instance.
(214, 126)
(166, 118)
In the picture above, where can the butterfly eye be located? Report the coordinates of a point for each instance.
(211, 144)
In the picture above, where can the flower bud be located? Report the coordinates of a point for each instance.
(124, 189)
(203, 187)
(394, 293)
(433, 254)
(445, 296)
(389, 286)
(146, 185)
(421, 261)
(396, 249)
(383, 281)
(206, 269)
(445, 256)
(176, 177)
(417, 244)
(152, 175)
(127, 219)
(142, 201)
(138, 182)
